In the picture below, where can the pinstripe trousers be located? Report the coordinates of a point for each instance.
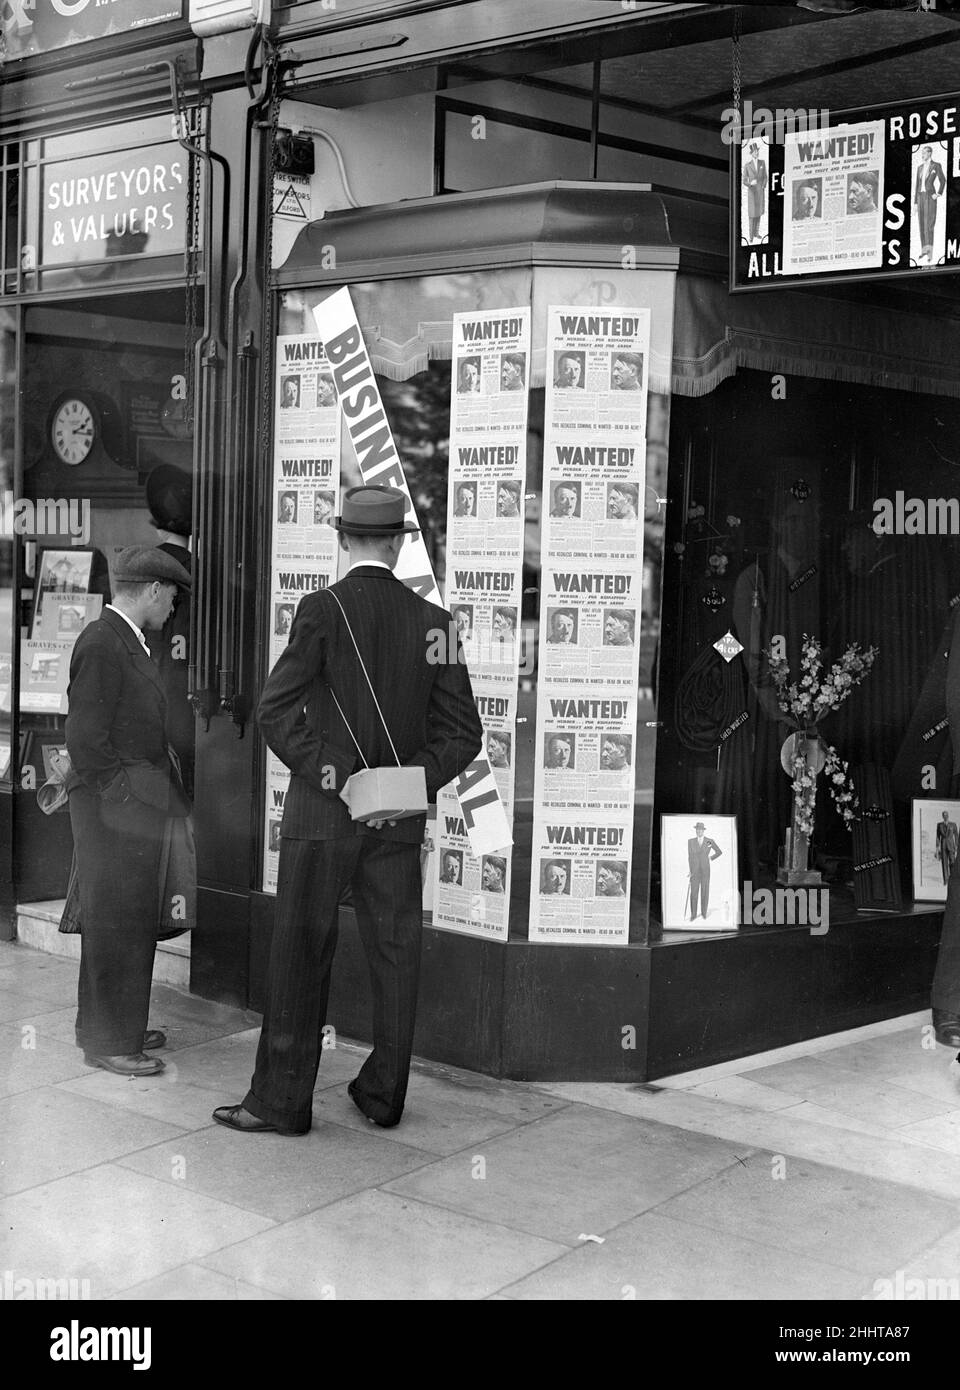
(387, 894)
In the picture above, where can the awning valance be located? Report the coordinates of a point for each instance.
(807, 334)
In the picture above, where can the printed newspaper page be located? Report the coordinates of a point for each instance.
(833, 199)
(306, 489)
(485, 521)
(594, 453)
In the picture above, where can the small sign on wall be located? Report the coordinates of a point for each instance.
(291, 197)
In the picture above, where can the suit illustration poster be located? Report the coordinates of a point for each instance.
(936, 842)
(698, 873)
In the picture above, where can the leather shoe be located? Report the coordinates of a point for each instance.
(133, 1064)
(947, 1028)
(153, 1038)
(354, 1095)
(235, 1117)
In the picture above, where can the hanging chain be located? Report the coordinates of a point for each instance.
(737, 31)
(266, 356)
(191, 330)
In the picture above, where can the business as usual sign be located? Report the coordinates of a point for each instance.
(876, 194)
(121, 203)
(36, 26)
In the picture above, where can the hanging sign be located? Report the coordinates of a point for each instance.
(36, 26)
(861, 194)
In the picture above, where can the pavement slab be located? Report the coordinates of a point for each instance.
(571, 1173)
(378, 1245)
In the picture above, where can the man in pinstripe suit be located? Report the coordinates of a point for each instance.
(429, 710)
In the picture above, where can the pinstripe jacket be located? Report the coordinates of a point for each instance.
(427, 703)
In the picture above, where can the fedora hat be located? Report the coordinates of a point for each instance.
(699, 825)
(374, 511)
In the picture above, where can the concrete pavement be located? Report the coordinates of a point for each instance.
(826, 1171)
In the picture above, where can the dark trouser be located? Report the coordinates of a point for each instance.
(945, 992)
(387, 895)
(118, 858)
(699, 885)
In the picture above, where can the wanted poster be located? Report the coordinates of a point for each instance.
(485, 607)
(470, 892)
(833, 199)
(594, 448)
(589, 628)
(485, 820)
(586, 752)
(278, 781)
(580, 880)
(488, 435)
(485, 524)
(594, 452)
(304, 544)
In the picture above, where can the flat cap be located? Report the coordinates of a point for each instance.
(141, 564)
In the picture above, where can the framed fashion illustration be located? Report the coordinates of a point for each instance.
(698, 872)
(935, 841)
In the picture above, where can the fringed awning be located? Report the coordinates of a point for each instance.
(803, 334)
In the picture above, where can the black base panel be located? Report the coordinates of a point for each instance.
(622, 1013)
(712, 1001)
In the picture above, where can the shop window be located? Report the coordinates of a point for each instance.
(772, 536)
(409, 334)
(96, 421)
(105, 204)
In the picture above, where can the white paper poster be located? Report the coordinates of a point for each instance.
(833, 199)
(594, 456)
(485, 521)
(306, 491)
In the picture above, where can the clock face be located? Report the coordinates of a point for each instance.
(73, 430)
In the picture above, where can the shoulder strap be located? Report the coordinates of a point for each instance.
(372, 691)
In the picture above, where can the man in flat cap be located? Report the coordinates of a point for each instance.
(123, 788)
(428, 708)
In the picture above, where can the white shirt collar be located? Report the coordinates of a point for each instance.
(377, 564)
(130, 623)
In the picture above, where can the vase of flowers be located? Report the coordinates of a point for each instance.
(805, 754)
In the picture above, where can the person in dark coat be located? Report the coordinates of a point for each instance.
(428, 707)
(170, 499)
(122, 789)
